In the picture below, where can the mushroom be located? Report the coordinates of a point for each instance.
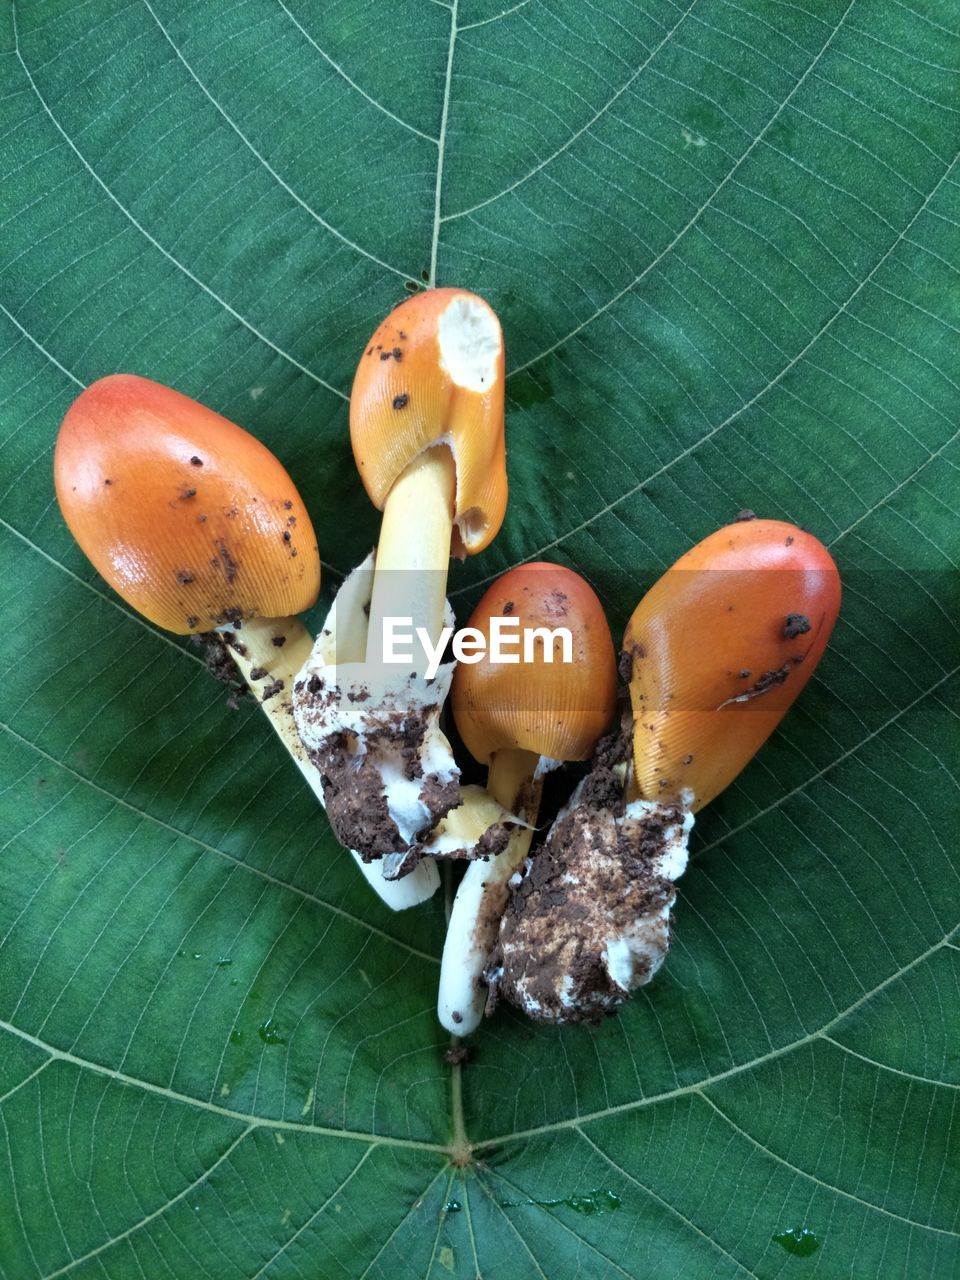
(426, 423)
(199, 528)
(519, 718)
(714, 655)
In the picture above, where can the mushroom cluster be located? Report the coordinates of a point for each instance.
(201, 530)
(713, 656)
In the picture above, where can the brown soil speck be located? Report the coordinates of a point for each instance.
(401, 402)
(273, 688)
(746, 673)
(397, 354)
(508, 608)
(384, 355)
(457, 1056)
(627, 658)
(769, 680)
(278, 641)
(184, 578)
(220, 665)
(188, 493)
(744, 515)
(108, 482)
(796, 624)
(231, 614)
(457, 1017)
(227, 561)
(555, 604)
(292, 521)
(193, 621)
(287, 505)
(196, 462)
(202, 519)
(286, 535)
(258, 673)
(789, 541)
(687, 760)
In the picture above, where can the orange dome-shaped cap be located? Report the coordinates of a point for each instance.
(193, 521)
(433, 372)
(717, 651)
(557, 709)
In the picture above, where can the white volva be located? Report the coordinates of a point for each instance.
(477, 909)
(344, 635)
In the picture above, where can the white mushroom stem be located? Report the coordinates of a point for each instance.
(413, 554)
(254, 650)
(482, 896)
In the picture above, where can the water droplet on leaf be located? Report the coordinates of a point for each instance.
(587, 1202)
(595, 1202)
(800, 1241)
(269, 1032)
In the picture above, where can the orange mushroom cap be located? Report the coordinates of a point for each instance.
(719, 648)
(555, 709)
(434, 372)
(188, 517)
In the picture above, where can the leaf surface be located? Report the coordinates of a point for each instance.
(723, 239)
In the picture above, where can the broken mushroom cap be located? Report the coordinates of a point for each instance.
(717, 651)
(433, 373)
(188, 517)
(556, 709)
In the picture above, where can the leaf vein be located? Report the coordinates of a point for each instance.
(205, 288)
(825, 1186)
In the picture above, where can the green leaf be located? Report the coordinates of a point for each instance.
(723, 238)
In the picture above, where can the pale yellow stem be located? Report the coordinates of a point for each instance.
(254, 650)
(511, 773)
(413, 555)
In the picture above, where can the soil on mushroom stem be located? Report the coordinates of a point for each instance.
(221, 666)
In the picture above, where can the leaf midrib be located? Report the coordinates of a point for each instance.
(521, 1135)
(697, 1086)
(254, 1121)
